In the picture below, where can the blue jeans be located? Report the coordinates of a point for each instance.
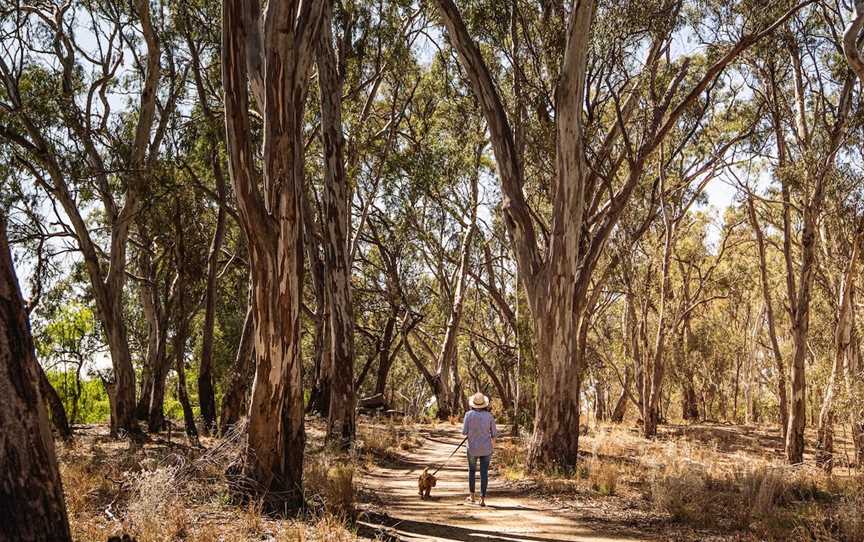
(484, 473)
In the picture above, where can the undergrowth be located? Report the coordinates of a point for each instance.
(698, 487)
(158, 493)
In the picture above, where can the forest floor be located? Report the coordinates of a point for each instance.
(699, 482)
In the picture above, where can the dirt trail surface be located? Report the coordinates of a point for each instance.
(510, 516)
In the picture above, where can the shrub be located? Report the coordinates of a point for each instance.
(155, 511)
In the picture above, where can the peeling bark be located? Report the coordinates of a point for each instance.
(340, 422)
(273, 222)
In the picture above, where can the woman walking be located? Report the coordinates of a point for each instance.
(479, 427)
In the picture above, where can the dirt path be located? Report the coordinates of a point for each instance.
(508, 516)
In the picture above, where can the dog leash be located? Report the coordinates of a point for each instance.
(450, 456)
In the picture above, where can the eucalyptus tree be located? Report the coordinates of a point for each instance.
(802, 80)
(850, 342)
(60, 68)
(272, 52)
(842, 237)
(586, 205)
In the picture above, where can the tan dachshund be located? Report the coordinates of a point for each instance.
(426, 482)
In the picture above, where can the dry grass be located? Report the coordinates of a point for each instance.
(330, 486)
(603, 477)
(711, 485)
(387, 442)
(160, 493)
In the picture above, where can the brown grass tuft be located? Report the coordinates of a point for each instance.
(388, 442)
(330, 488)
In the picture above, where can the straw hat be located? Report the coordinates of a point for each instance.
(478, 400)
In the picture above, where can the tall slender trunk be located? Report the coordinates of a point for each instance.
(448, 386)
(521, 352)
(160, 362)
(319, 396)
(799, 332)
(690, 406)
(206, 392)
(147, 297)
(340, 422)
(31, 493)
(779, 364)
(159, 375)
(654, 369)
(180, 336)
(751, 413)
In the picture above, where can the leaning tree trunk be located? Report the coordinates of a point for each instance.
(843, 346)
(779, 364)
(340, 421)
(31, 493)
(276, 54)
(52, 399)
(447, 392)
